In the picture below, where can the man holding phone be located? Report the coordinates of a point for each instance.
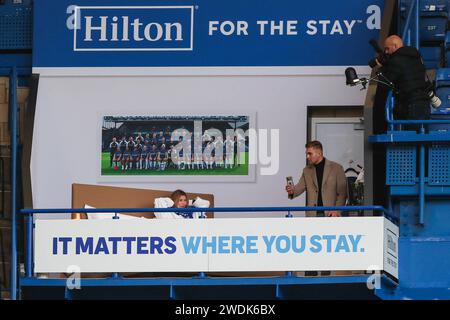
(323, 180)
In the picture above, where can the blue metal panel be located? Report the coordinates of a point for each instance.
(16, 25)
(424, 270)
(436, 219)
(439, 165)
(409, 136)
(438, 191)
(52, 29)
(207, 281)
(354, 287)
(18, 60)
(424, 262)
(401, 165)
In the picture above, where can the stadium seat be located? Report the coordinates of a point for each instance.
(433, 5)
(447, 49)
(426, 5)
(443, 90)
(433, 25)
(433, 19)
(432, 57)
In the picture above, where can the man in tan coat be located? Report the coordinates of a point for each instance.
(323, 180)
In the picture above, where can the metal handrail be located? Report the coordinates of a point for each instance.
(14, 147)
(385, 212)
(14, 73)
(211, 209)
(389, 106)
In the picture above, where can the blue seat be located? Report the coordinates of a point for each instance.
(432, 5)
(443, 90)
(447, 49)
(426, 5)
(443, 77)
(433, 25)
(433, 18)
(432, 57)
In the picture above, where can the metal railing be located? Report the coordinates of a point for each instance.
(391, 125)
(14, 73)
(408, 28)
(412, 26)
(389, 108)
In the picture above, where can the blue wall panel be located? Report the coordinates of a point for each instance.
(321, 33)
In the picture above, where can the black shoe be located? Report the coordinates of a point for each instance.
(311, 273)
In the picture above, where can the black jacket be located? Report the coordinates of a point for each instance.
(405, 69)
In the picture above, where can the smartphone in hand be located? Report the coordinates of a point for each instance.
(290, 182)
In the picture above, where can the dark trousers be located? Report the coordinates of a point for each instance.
(419, 110)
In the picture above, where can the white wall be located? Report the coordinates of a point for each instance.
(69, 109)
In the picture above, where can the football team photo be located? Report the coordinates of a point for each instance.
(175, 145)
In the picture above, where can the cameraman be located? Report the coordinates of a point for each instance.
(403, 66)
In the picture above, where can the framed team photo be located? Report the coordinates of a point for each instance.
(174, 147)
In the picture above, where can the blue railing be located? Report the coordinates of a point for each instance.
(389, 107)
(409, 28)
(13, 73)
(30, 212)
(412, 25)
(391, 125)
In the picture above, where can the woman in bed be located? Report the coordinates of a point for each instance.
(179, 198)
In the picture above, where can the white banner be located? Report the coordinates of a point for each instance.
(391, 234)
(250, 244)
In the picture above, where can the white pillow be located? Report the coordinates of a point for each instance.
(168, 203)
(200, 203)
(107, 215)
(163, 203)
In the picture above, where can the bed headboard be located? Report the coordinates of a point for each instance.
(117, 197)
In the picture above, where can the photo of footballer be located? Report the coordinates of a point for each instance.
(175, 145)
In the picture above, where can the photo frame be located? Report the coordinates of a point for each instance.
(176, 148)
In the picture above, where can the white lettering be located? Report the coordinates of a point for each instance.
(223, 25)
(242, 27)
(349, 26)
(331, 27)
(374, 20)
(90, 28)
(262, 25)
(178, 31)
(336, 28)
(272, 161)
(74, 12)
(324, 24)
(212, 27)
(147, 31)
(291, 27)
(114, 29)
(74, 280)
(274, 27)
(228, 28)
(136, 26)
(312, 29)
(125, 29)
